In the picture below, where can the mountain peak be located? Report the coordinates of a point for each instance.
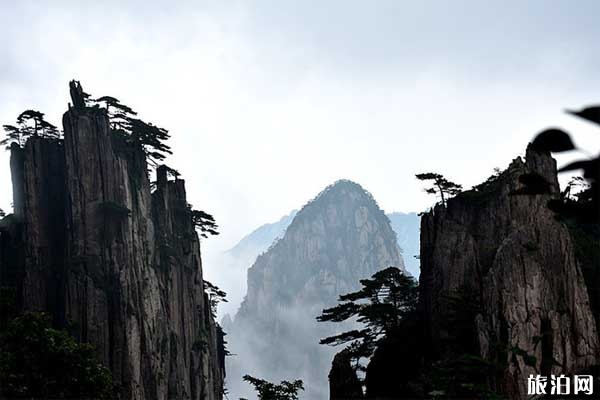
(344, 187)
(334, 241)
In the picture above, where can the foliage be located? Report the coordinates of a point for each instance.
(440, 186)
(490, 182)
(151, 137)
(384, 300)
(222, 343)
(8, 305)
(123, 121)
(125, 124)
(119, 114)
(37, 361)
(462, 306)
(204, 222)
(482, 192)
(460, 372)
(285, 390)
(2, 213)
(215, 296)
(172, 172)
(30, 123)
(584, 206)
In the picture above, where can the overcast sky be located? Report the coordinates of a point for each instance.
(270, 101)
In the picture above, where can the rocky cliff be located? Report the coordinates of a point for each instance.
(233, 264)
(115, 263)
(334, 241)
(517, 262)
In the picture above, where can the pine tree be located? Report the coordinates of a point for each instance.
(384, 300)
(285, 390)
(441, 186)
(30, 123)
(204, 222)
(215, 296)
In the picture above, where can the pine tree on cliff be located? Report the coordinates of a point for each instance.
(125, 124)
(30, 123)
(285, 390)
(204, 222)
(117, 112)
(440, 186)
(384, 300)
(215, 296)
(151, 137)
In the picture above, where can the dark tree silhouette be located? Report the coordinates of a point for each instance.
(203, 222)
(14, 135)
(30, 123)
(117, 112)
(384, 300)
(215, 296)
(37, 361)
(583, 206)
(171, 172)
(150, 137)
(285, 390)
(2, 213)
(124, 123)
(441, 186)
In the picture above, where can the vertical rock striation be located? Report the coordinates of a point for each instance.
(519, 261)
(117, 265)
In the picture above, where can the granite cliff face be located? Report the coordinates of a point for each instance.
(234, 264)
(117, 265)
(334, 241)
(519, 262)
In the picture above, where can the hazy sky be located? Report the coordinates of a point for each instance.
(270, 101)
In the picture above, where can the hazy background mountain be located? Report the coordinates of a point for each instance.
(234, 263)
(337, 239)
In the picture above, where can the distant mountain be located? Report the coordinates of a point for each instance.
(407, 228)
(261, 238)
(234, 263)
(337, 239)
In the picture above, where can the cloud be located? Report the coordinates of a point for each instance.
(269, 102)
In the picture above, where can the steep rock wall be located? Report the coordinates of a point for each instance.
(519, 261)
(117, 265)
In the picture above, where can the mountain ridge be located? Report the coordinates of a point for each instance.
(336, 239)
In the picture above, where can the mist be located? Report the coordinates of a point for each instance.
(270, 102)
